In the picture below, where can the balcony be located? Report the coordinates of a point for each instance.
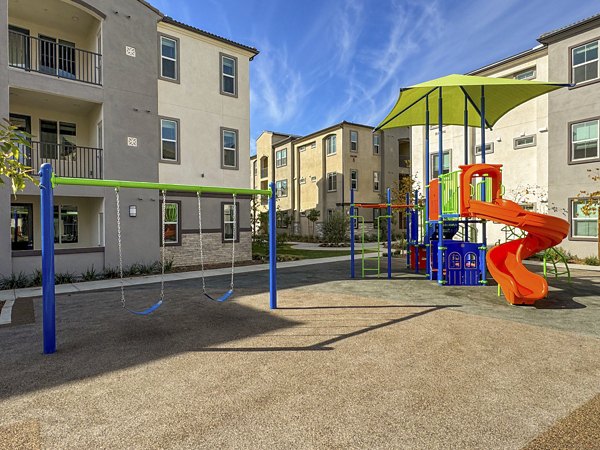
(58, 59)
(67, 160)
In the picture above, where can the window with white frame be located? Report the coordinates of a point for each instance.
(354, 179)
(313, 145)
(171, 223)
(281, 188)
(527, 74)
(583, 225)
(489, 148)
(353, 141)
(168, 58)
(302, 180)
(524, 141)
(584, 141)
(169, 145)
(229, 217)
(584, 60)
(21, 226)
(376, 181)
(434, 168)
(229, 150)
(302, 148)
(330, 145)
(376, 144)
(228, 75)
(281, 158)
(332, 182)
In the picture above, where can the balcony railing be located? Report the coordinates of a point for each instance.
(67, 160)
(53, 58)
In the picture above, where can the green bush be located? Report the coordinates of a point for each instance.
(335, 230)
(592, 261)
(36, 278)
(15, 281)
(64, 278)
(90, 274)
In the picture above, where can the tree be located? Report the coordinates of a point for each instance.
(335, 230)
(313, 215)
(12, 144)
(591, 203)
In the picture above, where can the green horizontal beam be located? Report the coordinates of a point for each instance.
(63, 181)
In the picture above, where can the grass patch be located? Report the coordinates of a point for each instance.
(287, 250)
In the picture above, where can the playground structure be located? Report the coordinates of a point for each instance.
(48, 182)
(473, 194)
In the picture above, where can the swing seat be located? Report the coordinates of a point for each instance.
(147, 311)
(222, 298)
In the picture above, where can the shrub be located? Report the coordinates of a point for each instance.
(90, 274)
(36, 278)
(15, 281)
(110, 272)
(592, 261)
(64, 278)
(335, 230)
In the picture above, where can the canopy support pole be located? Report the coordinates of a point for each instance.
(440, 249)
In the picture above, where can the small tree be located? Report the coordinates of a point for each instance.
(313, 215)
(591, 204)
(335, 230)
(12, 144)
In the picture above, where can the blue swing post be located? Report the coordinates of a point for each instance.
(48, 294)
(389, 233)
(272, 249)
(352, 272)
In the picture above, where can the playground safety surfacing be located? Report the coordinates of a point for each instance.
(342, 364)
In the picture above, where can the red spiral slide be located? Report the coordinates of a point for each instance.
(504, 261)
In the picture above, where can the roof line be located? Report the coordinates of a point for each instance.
(193, 29)
(149, 6)
(547, 37)
(508, 59)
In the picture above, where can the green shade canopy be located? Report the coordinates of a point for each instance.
(501, 95)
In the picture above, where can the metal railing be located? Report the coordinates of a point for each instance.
(53, 58)
(68, 160)
(450, 192)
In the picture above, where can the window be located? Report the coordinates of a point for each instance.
(376, 144)
(489, 148)
(332, 182)
(254, 168)
(585, 63)
(524, 141)
(281, 188)
(282, 219)
(19, 47)
(168, 58)
(302, 148)
(229, 216)
(584, 141)
(527, 74)
(281, 158)
(353, 141)
(330, 214)
(229, 149)
(376, 181)
(171, 222)
(330, 144)
(66, 226)
(313, 145)
(403, 153)
(58, 139)
(169, 145)
(376, 214)
(583, 225)
(445, 164)
(354, 179)
(302, 180)
(228, 75)
(21, 226)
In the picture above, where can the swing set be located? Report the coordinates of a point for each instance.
(48, 182)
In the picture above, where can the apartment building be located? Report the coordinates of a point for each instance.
(113, 89)
(318, 170)
(546, 145)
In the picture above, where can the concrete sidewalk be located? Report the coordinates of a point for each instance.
(115, 283)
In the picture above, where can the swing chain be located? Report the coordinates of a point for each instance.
(233, 241)
(198, 194)
(162, 252)
(120, 247)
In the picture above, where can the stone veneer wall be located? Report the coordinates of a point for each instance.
(215, 251)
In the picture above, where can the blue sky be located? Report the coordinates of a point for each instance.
(324, 61)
